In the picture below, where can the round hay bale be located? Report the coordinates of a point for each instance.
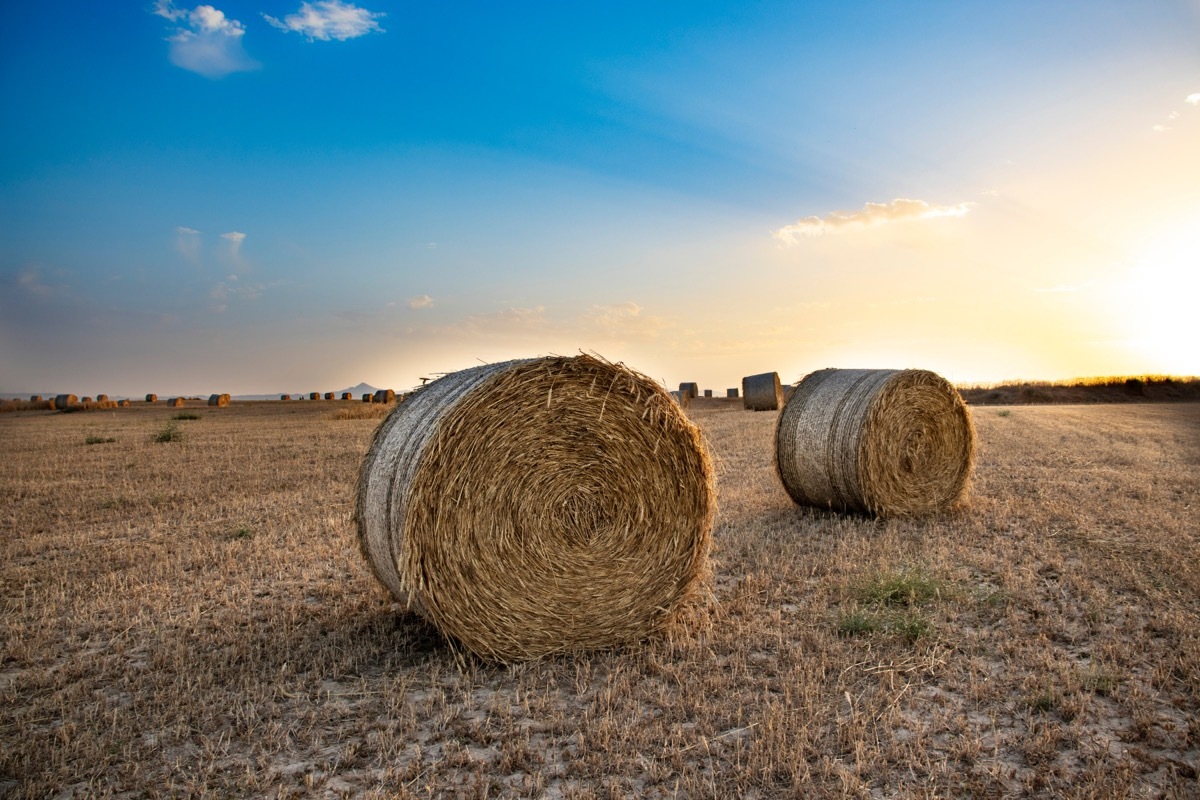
(35, 398)
(692, 390)
(538, 506)
(86, 399)
(329, 395)
(314, 395)
(176, 402)
(62, 401)
(762, 392)
(384, 396)
(125, 403)
(708, 392)
(285, 397)
(347, 395)
(218, 400)
(367, 397)
(151, 398)
(101, 398)
(731, 393)
(885, 442)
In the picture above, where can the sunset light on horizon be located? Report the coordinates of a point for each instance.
(255, 197)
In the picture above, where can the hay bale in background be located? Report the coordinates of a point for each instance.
(86, 399)
(886, 442)
(708, 392)
(218, 400)
(731, 393)
(329, 395)
(285, 397)
(61, 401)
(151, 398)
(347, 395)
(176, 402)
(314, 395)
(684, 399)
(384, 396)
(692, 390)
(367, 397)
(538, 506)
(762, 392)
(101, 398)
(126, 403)
(36, 398)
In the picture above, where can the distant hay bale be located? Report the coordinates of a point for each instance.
(314, 395)
(762, 392)
(885, 442)
(176, 402)
(538, 506)
(62, 401)
(218, 400)
(86, 399)
(692, 390)
(731, 393)
(151, 398)
(126, 403)
(368, 397)
(329, 395)
(101, 398)
(682, 398)
(347, 395)
(384, 396)
(708, 392)
(285, 397)
(36, 398)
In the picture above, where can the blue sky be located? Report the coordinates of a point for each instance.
(288, 196)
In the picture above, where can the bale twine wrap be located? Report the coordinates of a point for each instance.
(762, 392)
(538, 506)
(881, 441)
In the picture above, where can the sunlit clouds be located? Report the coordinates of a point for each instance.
(207, 43)
(871, 215)
(1193, 99)
(420, 301)
(235, 239)
(329, 19)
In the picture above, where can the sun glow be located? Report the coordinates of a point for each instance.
(1159, 300)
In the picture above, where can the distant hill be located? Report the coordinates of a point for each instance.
(1141, 389)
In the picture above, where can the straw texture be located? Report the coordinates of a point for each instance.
(538, 506)
(885, 442)
(762, 392)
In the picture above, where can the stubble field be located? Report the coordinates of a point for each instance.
(192, 617)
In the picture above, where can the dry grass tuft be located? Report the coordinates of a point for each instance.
(886, 442)
(539, 506)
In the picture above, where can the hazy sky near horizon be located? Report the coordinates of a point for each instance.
(257, 195)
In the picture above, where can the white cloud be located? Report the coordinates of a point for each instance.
(871, 215)
(421, 301)
(623, 321)
(329, 19)
(187, 241)
(183, 230)
(209, 44)
(1193, 98)
(235, 242)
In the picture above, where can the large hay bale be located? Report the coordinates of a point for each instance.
(176, 402)
(691, 389)
(219, 400)
(538, 506)
(886, 442)
(151, 398)
(762, 392)
(62, 401)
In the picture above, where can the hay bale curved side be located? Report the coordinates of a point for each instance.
(218, 400)
(762, 392)
(885, 442)
(538, 506)
(62, 401)
(176, 402)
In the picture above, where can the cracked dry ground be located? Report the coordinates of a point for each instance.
(193, 618)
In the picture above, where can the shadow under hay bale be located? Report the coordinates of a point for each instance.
(885, 442)
(762, 392)
(218, 400)
(538, 506)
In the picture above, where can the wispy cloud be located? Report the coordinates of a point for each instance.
(622, 321)
(329, 19)
(187, 241)
(871, 215)
(235, 242)
(1193, 99)
(207, 43)
(421, 301)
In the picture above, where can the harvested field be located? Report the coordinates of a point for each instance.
(201, 622)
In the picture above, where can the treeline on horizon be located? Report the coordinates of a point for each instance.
(1099, 389)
